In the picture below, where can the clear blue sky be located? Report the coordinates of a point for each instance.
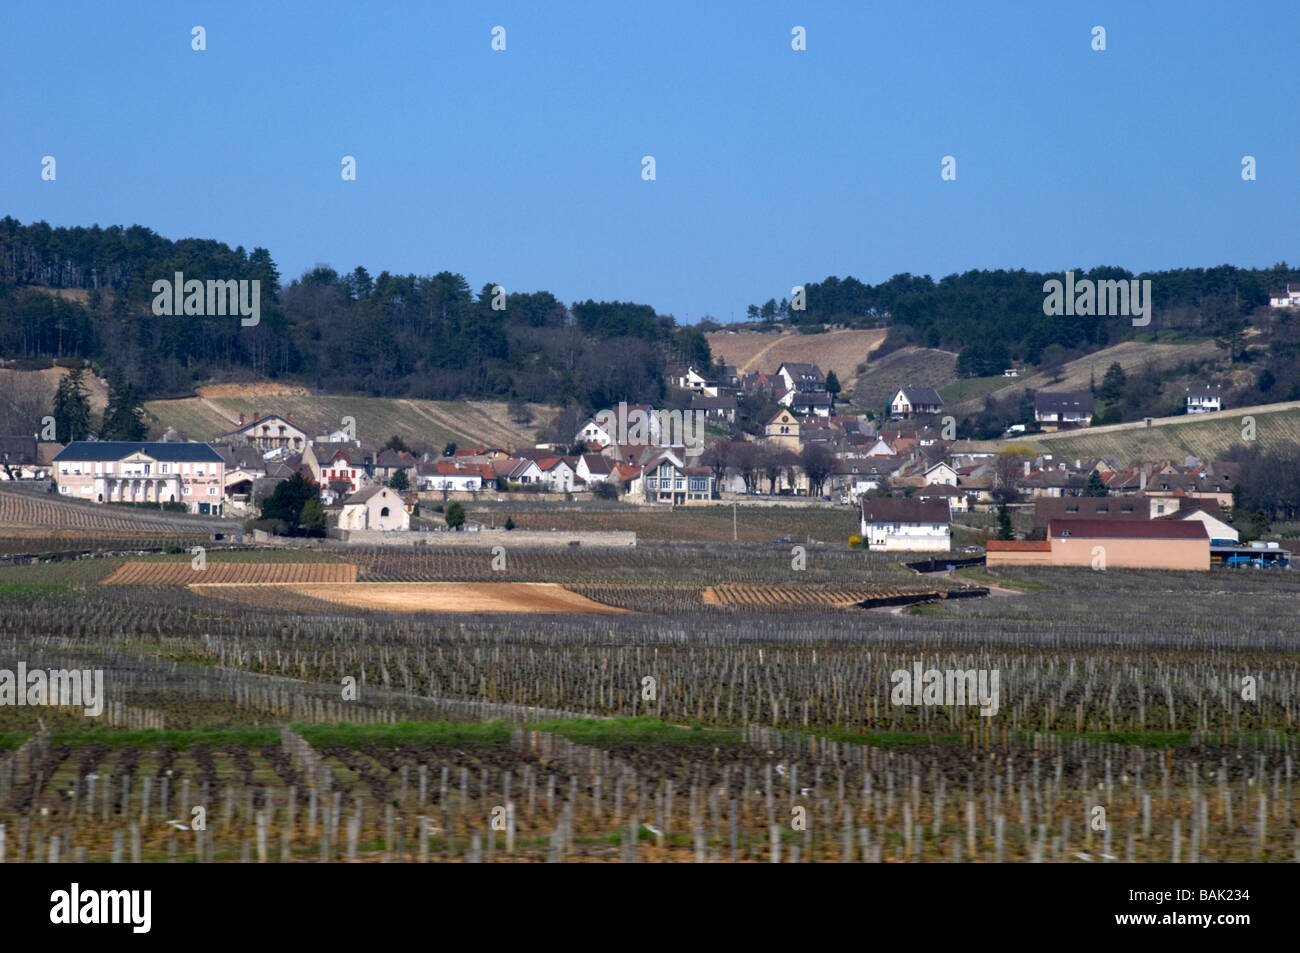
(774, 167)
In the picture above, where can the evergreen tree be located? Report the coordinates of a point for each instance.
(1095, 485)
(124, 416)
(398, 480)
(312, 517)
(71, 409)
(832, 383)
(1004, 523)
(455, 516)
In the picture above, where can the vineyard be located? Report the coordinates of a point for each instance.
(173, 573)
(21, 510)
(679, 731)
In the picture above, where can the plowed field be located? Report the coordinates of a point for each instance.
(236, 573)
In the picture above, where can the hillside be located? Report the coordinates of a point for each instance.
(27, 396)
(216, 411)
(917, 366)
(839, 351)
(1135, 357)
(1205, 436)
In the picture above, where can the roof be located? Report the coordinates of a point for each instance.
(1018, 546)
(812, 398)
(1048, 510)
(1128, 529)
(893, 510)
(802, 372)
(375, 489)
(1063, 402)
(105, 450)
(920, 396)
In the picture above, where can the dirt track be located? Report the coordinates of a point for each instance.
(525, 597)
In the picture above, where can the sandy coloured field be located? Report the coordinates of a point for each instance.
(527, 597)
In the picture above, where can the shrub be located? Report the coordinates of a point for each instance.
(510, 522)
(855, 542)
(455, 516)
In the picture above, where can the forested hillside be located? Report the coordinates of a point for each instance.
(388, 335)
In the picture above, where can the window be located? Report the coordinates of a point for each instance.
(383, 512)
(164, 468)
(186, 490)
(212, 491)
(64, 489)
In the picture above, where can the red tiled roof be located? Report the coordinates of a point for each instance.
(1018, 546)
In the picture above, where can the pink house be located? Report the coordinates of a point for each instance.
(119, 471)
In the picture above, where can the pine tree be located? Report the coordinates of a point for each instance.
(71, 409)
(1095, 485)
(1004, 523)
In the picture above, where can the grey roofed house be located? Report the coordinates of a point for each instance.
(803, 377)
(811, 399)
(242, 456)
(903, 510)
(921, 396)
(111, 450)
(1062, 403)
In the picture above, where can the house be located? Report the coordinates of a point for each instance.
(1208, 515)
(718, 408)
(801, 378)
(782, 430)
(268, 432)
(452, 477)
(594, 468)
(557, 474)
(1130, 544)
(959, 501)
(388, 462)
(700, 383)
(375, 507)
(121, 471)
(941, 473)
(1048, 509)
(518, 470)
(1204, 400)
(910, 401)
(666, 481)
(812, 403)
(1286, 299)
(1063, 410)
(348, 464)
(893, 525)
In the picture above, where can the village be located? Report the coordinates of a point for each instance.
(904, 472)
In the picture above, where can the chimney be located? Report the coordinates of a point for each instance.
(1026, 468)
(1142, 483)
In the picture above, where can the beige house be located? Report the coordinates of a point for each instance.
(782, 431)
(375, 507)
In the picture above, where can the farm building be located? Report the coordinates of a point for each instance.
(375, 507)
(121, 471)
(1109, 544)
(895, 525)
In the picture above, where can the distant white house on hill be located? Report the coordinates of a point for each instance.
(1286, 299)
(910, 401)
(1204, 400)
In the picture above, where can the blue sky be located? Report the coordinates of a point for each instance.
(774, 167)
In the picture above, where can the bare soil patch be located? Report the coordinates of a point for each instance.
(524, 597)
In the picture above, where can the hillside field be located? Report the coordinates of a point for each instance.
(840, 351)
(377, 418)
